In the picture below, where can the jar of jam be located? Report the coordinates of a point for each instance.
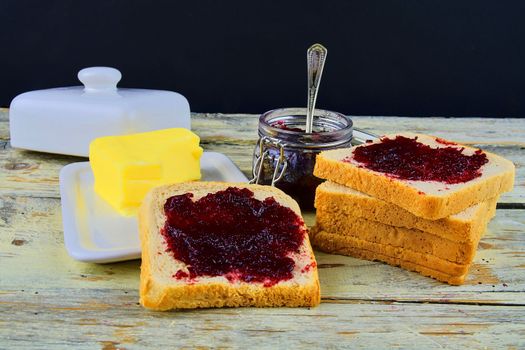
(285, 154)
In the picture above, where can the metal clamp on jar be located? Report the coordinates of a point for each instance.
(285, 154)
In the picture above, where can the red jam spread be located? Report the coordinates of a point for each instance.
(408, 159)
(445, 142)
(230, 233)
(282, 125)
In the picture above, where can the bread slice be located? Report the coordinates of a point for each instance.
(405, 238)
(159, 289)
(333, 243)
(427, 199)
(339, 205)
(336, 244)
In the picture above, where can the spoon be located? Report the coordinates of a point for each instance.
(315, 58)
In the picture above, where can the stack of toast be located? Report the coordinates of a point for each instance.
(429, 226)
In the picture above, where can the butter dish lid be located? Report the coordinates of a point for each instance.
(65, 120)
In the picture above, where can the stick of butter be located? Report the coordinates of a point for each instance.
(126, 167)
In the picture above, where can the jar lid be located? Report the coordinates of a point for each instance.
(65, 120)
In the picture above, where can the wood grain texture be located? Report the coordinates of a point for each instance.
(49, 300)
(111, 319)
(33, 173)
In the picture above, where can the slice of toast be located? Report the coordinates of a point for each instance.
(427, 199)
(166, 282)
(342, 205)
(401, 237)
(336, 244)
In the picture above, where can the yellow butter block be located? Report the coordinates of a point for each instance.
(126, 167)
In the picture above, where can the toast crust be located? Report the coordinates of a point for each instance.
(156, 294)
(412, 239)
(336, 244)
(331, 242)
(400, 192)
(344, 205)
(406, 238)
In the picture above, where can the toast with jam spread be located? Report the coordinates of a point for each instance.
(430, 177)
(211, 244)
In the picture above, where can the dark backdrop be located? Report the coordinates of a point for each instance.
(408, 58)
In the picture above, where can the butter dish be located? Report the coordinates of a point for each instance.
(65, 120)
(95, 232)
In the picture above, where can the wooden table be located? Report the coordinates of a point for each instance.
(48, 300)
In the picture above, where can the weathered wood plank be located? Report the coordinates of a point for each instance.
(101, 317)
(32, 173)
(4, 124)
(111, 319)
(32, 253)
(467, 130)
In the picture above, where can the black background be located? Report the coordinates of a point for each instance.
(407, 58)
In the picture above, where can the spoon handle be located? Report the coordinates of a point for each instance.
(315, 57)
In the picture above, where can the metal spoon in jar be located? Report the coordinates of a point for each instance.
(315, 57)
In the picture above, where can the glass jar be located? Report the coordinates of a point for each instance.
(285, 154)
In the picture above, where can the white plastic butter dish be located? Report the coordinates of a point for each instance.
(94, 231)
(65, 120)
